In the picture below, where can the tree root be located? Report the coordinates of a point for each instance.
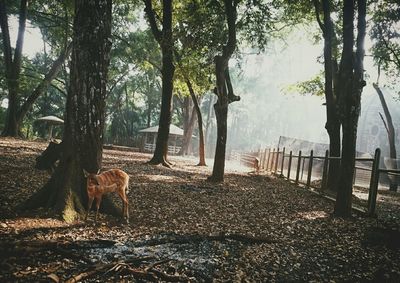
(158, 161)
(149, 273)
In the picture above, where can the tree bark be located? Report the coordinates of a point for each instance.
(202, 159)
(166, 43)
(391, 136)
(83, 135)
(224, 92)
(188, 132)
(13, 66)
(332, 118)
(352, 80)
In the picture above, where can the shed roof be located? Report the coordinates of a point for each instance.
(173, 130)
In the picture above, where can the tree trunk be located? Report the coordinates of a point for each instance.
(352, 80)
(166, 43)
(391, 136)
(332, 124)
(202, 160)
(83, 135)
(224, 91)
(12, 66)
(221, 115)
(188, 133)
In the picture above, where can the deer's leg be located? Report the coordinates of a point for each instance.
(126, 208)
(90, 202)
(98, 201)
(125, 205)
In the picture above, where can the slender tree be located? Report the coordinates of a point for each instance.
(83, 134)
(165, 40)
(202, 158)
(224, 91)
(388, 123)
(331, 94)
(12, 65)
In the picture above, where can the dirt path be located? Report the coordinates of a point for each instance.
(251, 228)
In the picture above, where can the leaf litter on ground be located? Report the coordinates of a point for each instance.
(252, 227)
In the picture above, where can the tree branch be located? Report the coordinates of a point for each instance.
(6, 37)
(52, 73)
(231, 14)
(384, 122)
(152, 20)
(20, 38)
(321, 25)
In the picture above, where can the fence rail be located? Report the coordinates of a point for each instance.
(150, 147)
(279, 162)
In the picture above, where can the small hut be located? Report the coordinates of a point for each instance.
(174, 141)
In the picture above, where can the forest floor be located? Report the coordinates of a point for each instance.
(251, 228)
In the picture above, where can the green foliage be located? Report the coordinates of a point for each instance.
(314, 86)
(386, 37)
(54, 19)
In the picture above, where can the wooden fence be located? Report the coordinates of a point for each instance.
(301, 169)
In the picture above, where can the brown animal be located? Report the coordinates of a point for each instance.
(114, 180)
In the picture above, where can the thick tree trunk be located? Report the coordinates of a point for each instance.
(391, 136)
(333, 130)
(352, 79)
(165, 41)
(83, 138)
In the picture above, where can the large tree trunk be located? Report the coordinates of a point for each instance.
(83, 138)
(391, 136)
(352, 80)
(12, 66)
(165, 40)
(224, 91)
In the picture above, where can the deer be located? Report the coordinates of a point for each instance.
(114, 180)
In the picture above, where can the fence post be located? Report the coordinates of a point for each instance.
(269, 154)
(272, 160)
(283, 161)
(289, 165)
(298, 167)
(324, 181)
(354, 174)
(302, 167)
(310, 164)
(263, 160)
(276, 160)
(373, 186)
